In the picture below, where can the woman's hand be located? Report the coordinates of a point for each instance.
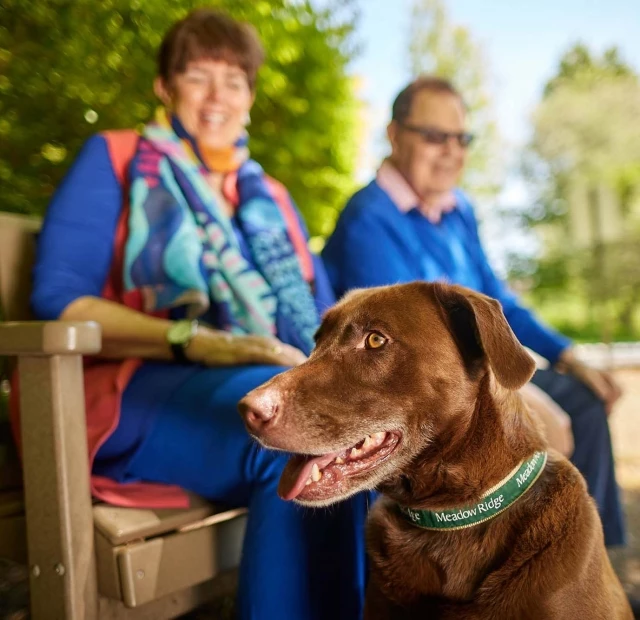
(555, 420)
(602, 383)
(218, 348)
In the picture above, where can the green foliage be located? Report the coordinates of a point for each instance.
(572, 317)
(590, 130)
(585, 127)
(442, 48)
(600, 284)
(69, 68)
(583, 165)
(579, 67)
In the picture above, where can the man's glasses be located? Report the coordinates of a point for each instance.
(435, 136)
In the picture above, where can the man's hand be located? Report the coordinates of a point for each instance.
(600, 382)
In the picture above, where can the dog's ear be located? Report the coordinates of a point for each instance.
(481, 331)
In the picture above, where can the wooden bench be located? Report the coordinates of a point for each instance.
(87, 560)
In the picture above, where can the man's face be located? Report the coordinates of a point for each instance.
(428, 167)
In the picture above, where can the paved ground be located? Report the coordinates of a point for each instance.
(625, 429)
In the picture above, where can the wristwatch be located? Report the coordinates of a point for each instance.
(179, 336)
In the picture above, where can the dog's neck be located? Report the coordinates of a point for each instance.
(493, 502)
(474, 453)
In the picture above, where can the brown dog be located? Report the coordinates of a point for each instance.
(410, 390)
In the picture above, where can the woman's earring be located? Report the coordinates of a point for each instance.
(247, 120)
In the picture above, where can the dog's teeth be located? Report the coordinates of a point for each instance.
(355, 453)
(308, 482)
(339, 461)
(316, 474)
(379, 437)
(367, 443)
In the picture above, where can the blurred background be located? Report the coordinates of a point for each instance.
(553, 91)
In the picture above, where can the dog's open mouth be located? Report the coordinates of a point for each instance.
(317, 478)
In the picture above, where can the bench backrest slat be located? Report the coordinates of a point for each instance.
(17, 254)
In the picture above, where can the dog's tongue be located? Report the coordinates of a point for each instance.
(298, 470)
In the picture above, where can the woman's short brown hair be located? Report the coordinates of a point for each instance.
(403, 102)
(206, 33)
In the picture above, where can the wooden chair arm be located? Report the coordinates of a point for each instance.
(43, 338)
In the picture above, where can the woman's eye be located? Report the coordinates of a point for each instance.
(374, 340)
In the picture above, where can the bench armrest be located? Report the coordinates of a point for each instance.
(37, 338)
(60, 537)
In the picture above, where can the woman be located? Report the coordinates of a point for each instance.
(198, 231)
(411, 223)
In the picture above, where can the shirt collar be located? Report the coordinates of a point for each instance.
(404, 197)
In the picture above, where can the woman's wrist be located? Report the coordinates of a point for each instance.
(200, 344)
(205, 340)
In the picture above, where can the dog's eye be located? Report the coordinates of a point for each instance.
(374, 340)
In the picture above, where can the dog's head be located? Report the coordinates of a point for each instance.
(394, 369)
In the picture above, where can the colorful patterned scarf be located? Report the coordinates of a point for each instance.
(182, 249)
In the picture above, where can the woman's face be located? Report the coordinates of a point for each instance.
(211, 99)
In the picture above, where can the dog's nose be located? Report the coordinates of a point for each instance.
(259, 408)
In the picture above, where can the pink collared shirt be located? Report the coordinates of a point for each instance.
(404, 197)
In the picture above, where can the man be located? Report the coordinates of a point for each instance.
(410, 223)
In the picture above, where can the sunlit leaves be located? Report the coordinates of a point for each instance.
(439, 47)
(583, 166)
(69, 68)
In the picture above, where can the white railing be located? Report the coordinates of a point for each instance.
(599, 355)
(616, 355)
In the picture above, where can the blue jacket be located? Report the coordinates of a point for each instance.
(375, 244)
(75, 249)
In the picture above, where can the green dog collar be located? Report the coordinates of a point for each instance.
(492, 503)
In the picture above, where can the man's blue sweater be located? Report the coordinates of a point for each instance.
(376, 244)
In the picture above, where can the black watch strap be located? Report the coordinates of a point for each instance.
(178, 353)
(180, 335)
